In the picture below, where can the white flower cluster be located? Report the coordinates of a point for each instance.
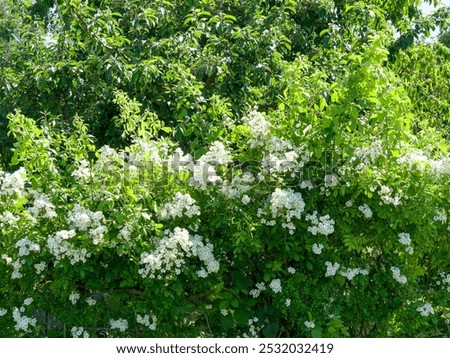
(350, 273)
(169, 255)
(42, 206)
(27, 246)
(181, 205)
(323, 225)
(145, 321)
(257, 291)
(83, 219)
(398, 276)
(238, 185)
(8, 219)
(60, 247)
(413, 158)
(287, 303)
(40, 267)
(28, 301)
(90, 301)
(3, 311)
(107, 158)
(445, 277)
(142, 152)
(259, 128)
(74, 297)
(126, 231)
(425, 310)
(331, 180)
(22, 322)
(77, 332)
(275, 285)
(317, 248)
(120, 324)
(13, 183)
(405, 239)
(440, 216)
(285, 204)
(366, 211)
(309, 324)
(387, 198)
(83, 170)
(216, 155)
(331, 268)
(291, 270)
(367, 155)
(253, 328)
(17, 265)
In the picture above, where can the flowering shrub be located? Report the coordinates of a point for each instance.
(322, 214)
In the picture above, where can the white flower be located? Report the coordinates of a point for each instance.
(42, 206)
(22, 322)
(349, 204)
(259, 128)
(366, 211)
(320, 225)
(309, 324)
(145, 320)
(440, 216)
(28, 301)
(3, 311)
(291, 270)
(245, 199)
(78, 331)
(40, 267)
(217, 154)
(120, 324)
(74, 297)
(171, 251)
(181, 205)
(331, 268)
(404, 238)
(275, 285)
(13, 183)
(83, 171)
(350, 273)
(287, 303)
(331, 180)
(26, 246)
(224, 312)
(426, 309)
(397, 276)
(317, 248)
(90, 301)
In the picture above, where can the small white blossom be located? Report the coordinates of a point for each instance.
(291, 270)
(331, 268)
(317, 248)
(366, 211)
(90, 301)
(398, 276)
(28, 301)
(224, 312)
(309, 324)
(40, 267)
(425, 310)
(120, 324)
(323, 225)
(245, 199)
(145, 320)
(181, 205)
(275, 285)
(3, 311)
(74, 297)
(77, 332)
(287, 303)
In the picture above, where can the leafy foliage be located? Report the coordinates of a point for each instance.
(234, 168)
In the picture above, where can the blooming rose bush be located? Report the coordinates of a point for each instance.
(321, 216)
